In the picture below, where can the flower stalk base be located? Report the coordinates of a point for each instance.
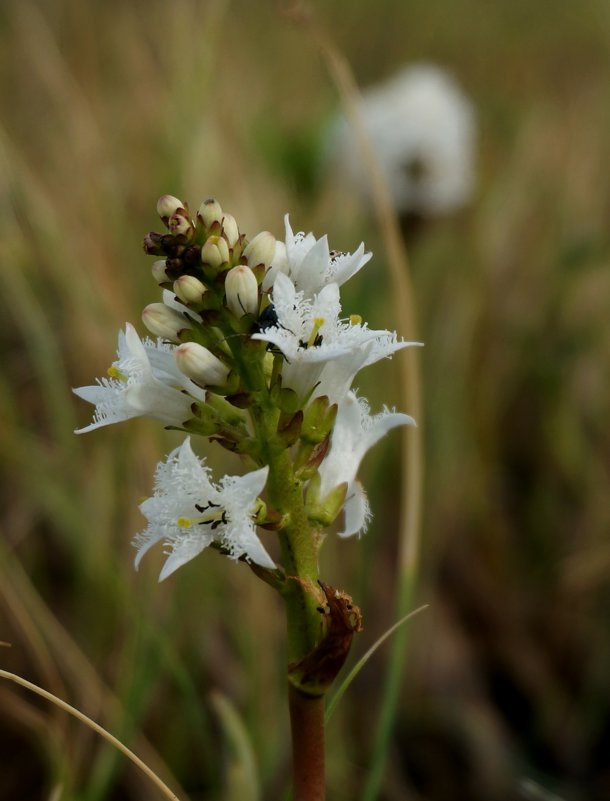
(307, 724)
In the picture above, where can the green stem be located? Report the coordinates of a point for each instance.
(297, 540)
(301, 592)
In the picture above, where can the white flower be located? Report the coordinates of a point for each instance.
(354, 433)
(422, 129)
(144, 381)
(321, 350)
(311, 265)
(189, 512)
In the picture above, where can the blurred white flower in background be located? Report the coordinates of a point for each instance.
(423, 131)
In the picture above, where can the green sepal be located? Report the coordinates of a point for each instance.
(259, 272)
(225, 410)
(326, 510)
(206, 426)
(240, 325)
(217, 417)
(319, 420)
(289, 431)
(200, 335)
(231, 385)
(227, 444)
(211, 308)
(309, 457)
(249, 447)
(237, 249)
(286, 399)
(241, 400)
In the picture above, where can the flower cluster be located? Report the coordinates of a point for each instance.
(251, 351)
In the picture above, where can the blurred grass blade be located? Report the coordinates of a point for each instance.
(96, 728)
(532, 791)
(364, 659)
(242, 776)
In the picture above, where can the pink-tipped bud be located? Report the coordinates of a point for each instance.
(159, 271)
(199, 364)
(164, 322)
(189, 289)
(210, 212)
(260, 250)
(241, 290)
(230, 231)
(168, 205)
(215, 251)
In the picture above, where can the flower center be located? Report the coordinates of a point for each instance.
(114, 372)
(212, 515)
(315, 338)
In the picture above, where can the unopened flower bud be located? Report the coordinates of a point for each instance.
(189, 289)
(241, 291)
(159, 272)
(179, 224)
(210, 212)
(168, 205)
(164, 322)
(279, 264)
(153, 244)
(215, 251)
(260, 250)
(199, 364)
(230, 231)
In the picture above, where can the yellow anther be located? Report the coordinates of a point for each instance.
(355, 319)
(114, 372)
(317, 324)
(184, 522)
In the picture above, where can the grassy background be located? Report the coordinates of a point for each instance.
(105, 106)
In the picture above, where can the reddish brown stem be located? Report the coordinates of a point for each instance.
(307, 724)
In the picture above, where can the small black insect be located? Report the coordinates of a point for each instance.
(267, 319)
